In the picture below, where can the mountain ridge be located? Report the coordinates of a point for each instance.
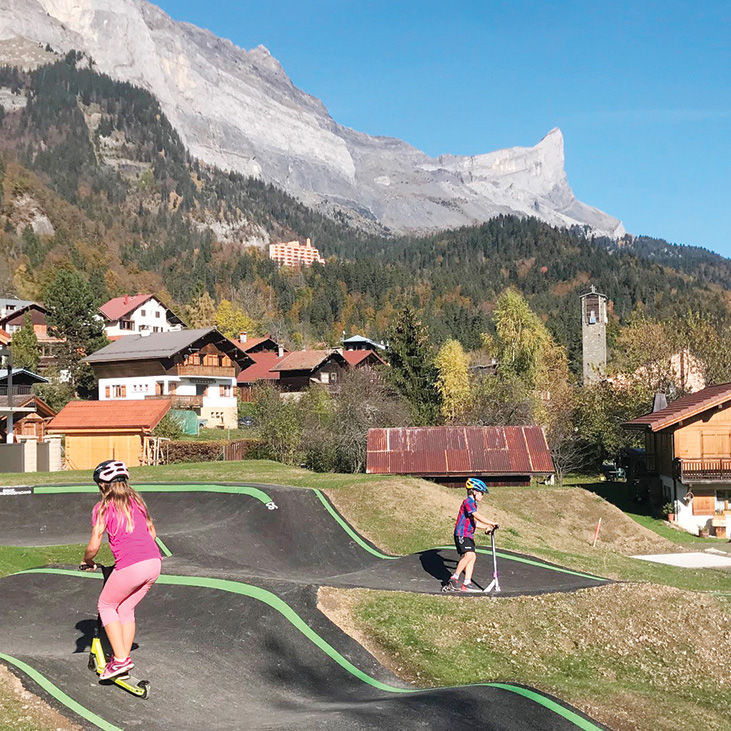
(238, 110)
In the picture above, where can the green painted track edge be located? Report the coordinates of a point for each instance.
(59, 695)
(279, 605)
(254, 492)
(348, 529)
(163, 547)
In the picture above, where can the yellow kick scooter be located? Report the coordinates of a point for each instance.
(98, 658)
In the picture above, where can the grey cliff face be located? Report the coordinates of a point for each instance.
(238, 110)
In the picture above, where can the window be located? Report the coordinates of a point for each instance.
(157, 314)
(126, 325)
(107, 392)
(143, 313)
(723, 499)
(225, 391)
(324, 377)
(119, 391)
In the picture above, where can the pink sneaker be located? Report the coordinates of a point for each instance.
(116, 668)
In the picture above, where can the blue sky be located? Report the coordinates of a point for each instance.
(641, 90)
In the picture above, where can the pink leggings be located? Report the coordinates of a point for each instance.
(124, 590)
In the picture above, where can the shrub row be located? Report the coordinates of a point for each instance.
(178, 452)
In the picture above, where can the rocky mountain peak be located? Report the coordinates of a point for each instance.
(239, 110)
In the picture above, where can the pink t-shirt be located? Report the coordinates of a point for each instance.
(128, 548)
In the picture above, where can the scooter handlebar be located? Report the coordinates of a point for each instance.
(490, 531)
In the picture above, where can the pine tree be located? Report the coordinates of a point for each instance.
(202, 311)
(453, 382)
(412, 366)
(72, 316)
(26, 353)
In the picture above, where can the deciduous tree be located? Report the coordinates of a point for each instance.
(26, 353)
(453, 380)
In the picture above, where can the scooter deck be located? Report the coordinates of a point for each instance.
(97, 663)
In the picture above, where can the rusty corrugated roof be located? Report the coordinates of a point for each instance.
(98, 416)
(683, 408)
(448, 450)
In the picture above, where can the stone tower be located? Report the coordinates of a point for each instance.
(594, 335)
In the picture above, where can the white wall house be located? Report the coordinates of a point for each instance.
(138, 313)
(195, 369)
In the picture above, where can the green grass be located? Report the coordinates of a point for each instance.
(614, 655)
(264, 471)
(20, 558)
(620, 494)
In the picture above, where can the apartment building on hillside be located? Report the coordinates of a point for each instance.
(294, 254)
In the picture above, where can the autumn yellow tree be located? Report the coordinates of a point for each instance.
(453, 383)
(232, 320)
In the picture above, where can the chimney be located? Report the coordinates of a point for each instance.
(660, 401)
(280, 351)
(308, 242)
(126, 299)
(243, 337)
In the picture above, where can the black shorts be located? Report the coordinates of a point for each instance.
(464, 544)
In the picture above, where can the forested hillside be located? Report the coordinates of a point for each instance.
(94, 178)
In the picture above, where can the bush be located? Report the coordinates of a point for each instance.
(185, 451)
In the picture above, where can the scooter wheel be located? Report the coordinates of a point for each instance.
(92, 662)
(145, 686)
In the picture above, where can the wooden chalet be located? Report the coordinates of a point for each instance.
(303, 368)
(688, 457)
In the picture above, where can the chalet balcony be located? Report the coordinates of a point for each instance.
(703, 470)
(181, 402)
(185, 369)
(17, 390)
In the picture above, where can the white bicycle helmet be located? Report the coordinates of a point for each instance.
(111, 471)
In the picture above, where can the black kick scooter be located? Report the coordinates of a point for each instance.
(98, 658)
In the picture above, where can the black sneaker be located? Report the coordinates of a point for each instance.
(451, 585)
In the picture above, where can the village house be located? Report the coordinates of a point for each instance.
(14, 320)
(303, 368)
(449, 455)
(138, 313)
(360, 342)
(688, 455)
(194, 369)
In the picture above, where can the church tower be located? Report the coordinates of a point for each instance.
(594, 335)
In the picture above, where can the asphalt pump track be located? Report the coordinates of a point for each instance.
(231, 636)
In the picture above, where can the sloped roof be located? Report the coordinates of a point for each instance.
(306, 360)
(260, 370)
(4, 337)
(459, 450)
(359, 339)
(163, 345)
(21, 310)
(355, 357)
(253, 342)
(683, 408)
(100, 416)
(18, 371)
(120, 306)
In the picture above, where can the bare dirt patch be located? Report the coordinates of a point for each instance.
(20, 710)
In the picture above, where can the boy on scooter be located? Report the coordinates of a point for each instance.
(464, 536)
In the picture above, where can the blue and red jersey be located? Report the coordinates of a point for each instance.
(465, 525)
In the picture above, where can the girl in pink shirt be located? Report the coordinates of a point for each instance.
(123, 515)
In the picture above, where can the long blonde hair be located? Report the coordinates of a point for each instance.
(122, 498)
